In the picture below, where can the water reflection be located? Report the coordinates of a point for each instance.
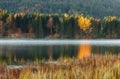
(38, 51)
(45, 49)
(84, 50)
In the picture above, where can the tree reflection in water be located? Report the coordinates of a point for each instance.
(84, 50)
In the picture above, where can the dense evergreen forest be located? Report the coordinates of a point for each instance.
(97, 8)
(37, 25)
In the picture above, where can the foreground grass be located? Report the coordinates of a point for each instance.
(95, 67)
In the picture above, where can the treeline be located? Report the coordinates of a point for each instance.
(97, 8)
(37, 25)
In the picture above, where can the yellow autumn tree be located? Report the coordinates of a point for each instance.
(66, 15)
(9, 18)
(110, 18)
(84, 22)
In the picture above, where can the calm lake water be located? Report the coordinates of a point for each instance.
(31, 49)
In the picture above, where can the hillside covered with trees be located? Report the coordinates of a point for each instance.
(97, 8)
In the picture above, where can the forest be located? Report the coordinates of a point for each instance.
(97, 8)
(38, 25)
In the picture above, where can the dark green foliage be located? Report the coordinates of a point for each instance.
(3, 15)
(111, 27)
(56, 26)
(97, 8)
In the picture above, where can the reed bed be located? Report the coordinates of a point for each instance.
(94, 67)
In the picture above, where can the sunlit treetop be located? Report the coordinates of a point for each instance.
(110, 18)
(84, 22)
(66, 15)
(3, 14)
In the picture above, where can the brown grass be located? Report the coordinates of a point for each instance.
(95, 67)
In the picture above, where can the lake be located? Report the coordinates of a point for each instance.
(30, 49)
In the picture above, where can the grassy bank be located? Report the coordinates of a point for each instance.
(95, 67)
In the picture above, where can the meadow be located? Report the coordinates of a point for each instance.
(93, 67)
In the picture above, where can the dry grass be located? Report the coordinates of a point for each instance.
(95, 67)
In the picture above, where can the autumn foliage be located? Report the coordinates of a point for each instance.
(84, 22)
(64, 26)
